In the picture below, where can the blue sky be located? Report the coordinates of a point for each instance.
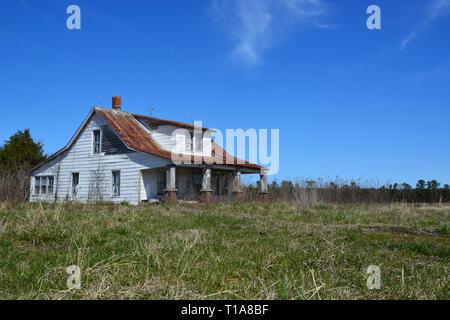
(349, 102)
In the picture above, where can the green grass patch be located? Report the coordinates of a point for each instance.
(224, 251)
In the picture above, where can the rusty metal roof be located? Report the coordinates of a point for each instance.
(131, 132)
(135, 136)
(158, 122)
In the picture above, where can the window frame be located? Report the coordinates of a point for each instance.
(113, 183)
(39, 186)
(72, 193)
(197, 140)
(52, 179)
(189, 142)
(44, 185)
(95, 143)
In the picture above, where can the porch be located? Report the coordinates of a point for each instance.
(196, 183)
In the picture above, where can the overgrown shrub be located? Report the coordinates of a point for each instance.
(14, 183)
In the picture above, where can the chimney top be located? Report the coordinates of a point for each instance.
(117, 103)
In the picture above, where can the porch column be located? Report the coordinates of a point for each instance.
(206, 193)
(170, 193)
(264, 192)
(237, 189)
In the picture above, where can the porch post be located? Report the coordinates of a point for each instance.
(206, 193)
(170, 193)
(264, 192)
(237, 189)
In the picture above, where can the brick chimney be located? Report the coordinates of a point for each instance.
(117, 103)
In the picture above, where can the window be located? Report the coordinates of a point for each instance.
(189, 142)
(197, 181)
(96, 142)
(116, 183)
(198, 142)
(37, 185)
(51, 181)
(44, 185)
(161, 183)
(75, 182)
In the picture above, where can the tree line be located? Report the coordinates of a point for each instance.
(21, 152)
(312, 192)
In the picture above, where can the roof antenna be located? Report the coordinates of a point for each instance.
(192, 121)
(151, 111)
(101, 99)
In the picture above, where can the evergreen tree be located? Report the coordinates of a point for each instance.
(21, 150)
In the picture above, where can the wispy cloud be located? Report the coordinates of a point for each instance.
(23, 41)
(437, 70)
(437, 8)
(255, 25)
(31, 9)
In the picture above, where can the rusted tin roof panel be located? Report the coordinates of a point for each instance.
(131, 132)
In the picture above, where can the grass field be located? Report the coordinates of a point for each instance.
(224, 251)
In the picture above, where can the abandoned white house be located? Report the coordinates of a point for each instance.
(117, 156)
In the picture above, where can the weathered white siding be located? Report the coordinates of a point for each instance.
(163, 136)
(95, 171)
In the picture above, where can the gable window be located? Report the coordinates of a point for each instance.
(75, 182)
(116, 183)
(188, 142)
(96, 141)
(198, 142)
(44, 185)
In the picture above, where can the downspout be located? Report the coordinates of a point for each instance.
(139, 197)
(56, 186)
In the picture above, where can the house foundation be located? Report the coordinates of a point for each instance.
(170, 195)
(237, 196)
(264, 197)
(206, 196)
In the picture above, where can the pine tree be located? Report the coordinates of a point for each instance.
(21, 150)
